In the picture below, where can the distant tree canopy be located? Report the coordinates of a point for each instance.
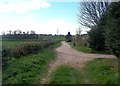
(18, 34)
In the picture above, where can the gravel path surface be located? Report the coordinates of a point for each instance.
(66, 55)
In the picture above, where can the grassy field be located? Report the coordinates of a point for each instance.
(14, 43)
(98, 71)
(65, 75)
(61, 38)
(27, 69)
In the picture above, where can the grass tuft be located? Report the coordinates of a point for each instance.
(65, 75)
(100, 71)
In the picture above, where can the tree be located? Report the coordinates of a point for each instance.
(3, 33)
(78, 31)
(92, 16)
(19, 31)
(15, 32)
(91, 12)
(97, 34)
(97, 39)
(32, 32)
(113, 28)
(10, 32)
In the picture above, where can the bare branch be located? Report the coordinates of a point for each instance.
(91, 12)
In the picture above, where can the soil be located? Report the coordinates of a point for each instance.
(66, 55)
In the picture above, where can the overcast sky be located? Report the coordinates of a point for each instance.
(39, 15)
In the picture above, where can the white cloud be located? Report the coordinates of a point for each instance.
(22, 6)
(48, 27)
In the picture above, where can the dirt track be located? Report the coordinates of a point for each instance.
(66, 55)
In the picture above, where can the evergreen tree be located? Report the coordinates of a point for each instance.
(113, 28)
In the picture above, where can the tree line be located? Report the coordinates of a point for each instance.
(18, 34)
(103, 18)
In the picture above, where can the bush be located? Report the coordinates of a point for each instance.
(6, 52)
(97, 39)
(23, 50)
(113, 28)
(26, 49)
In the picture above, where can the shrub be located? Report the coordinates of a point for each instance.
(6, 52)
(26, 49)
(113, 28)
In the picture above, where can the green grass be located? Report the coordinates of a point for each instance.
(28, 69)
(65, 75)
(14, 43)
(8, 43)
(86, 49)
(0, 77)
(60, 38)
(81, 48)
(100, 71)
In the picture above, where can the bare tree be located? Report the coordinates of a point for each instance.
(78, 31)
(15, 32)
(32, 32)
(91, 12)
(27, 32)
(10, 32)
(3, 33)
(19, 31)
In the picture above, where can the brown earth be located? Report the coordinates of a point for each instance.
(66, 55)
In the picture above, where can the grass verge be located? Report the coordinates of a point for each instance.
(86, 49)
(81, 48)
(100, 71)
(65, 75)
(28, 69)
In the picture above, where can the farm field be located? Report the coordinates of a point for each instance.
(60, 38)
(55, 42)
(28, 68)
(14, 43)
(32, 67)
